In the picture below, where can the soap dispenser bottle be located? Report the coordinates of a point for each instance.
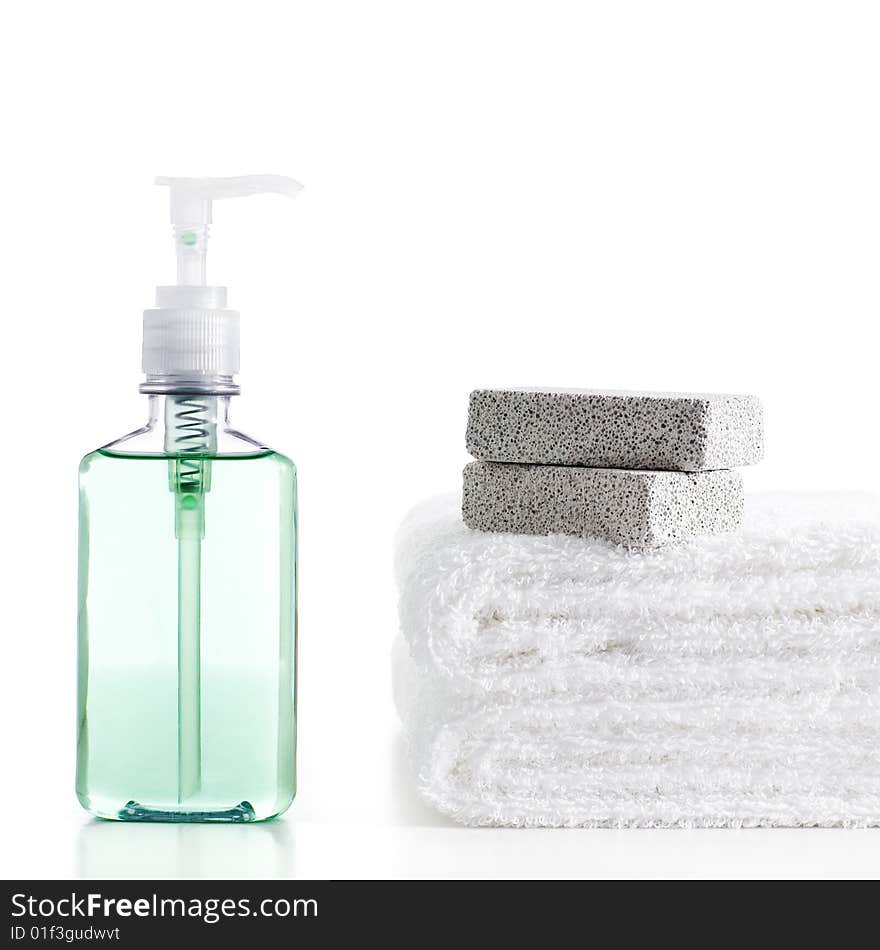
(187, 572)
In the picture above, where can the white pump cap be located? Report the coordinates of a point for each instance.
(191, 339)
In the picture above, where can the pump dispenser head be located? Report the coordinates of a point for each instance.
(191, 340)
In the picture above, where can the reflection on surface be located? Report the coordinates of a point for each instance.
(119, 849)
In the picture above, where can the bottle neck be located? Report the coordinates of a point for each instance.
(191, 424)
(187, 424)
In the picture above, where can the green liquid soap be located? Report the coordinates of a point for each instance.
(187, 570)
(187, 622)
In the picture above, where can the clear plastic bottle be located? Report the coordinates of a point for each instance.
(187, 589)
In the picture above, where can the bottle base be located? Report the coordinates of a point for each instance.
(239, 813)
(250, 810)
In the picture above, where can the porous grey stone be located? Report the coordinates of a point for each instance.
(663, 431)
(637, 509)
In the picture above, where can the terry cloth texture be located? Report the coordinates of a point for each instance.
(733, 681)
(638, 509)
(687, 432)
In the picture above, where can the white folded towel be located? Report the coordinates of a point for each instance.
(522, 613)
(562, 682)
(568, 762)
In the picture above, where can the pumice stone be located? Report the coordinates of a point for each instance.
(602, 429)
(638, 509)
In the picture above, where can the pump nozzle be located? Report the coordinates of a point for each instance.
(191, 213)
(191, 336)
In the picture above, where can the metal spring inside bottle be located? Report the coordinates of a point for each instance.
(193, 435)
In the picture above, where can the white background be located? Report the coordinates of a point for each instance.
(648, 195)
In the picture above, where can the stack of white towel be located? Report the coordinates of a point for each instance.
(733, 681)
